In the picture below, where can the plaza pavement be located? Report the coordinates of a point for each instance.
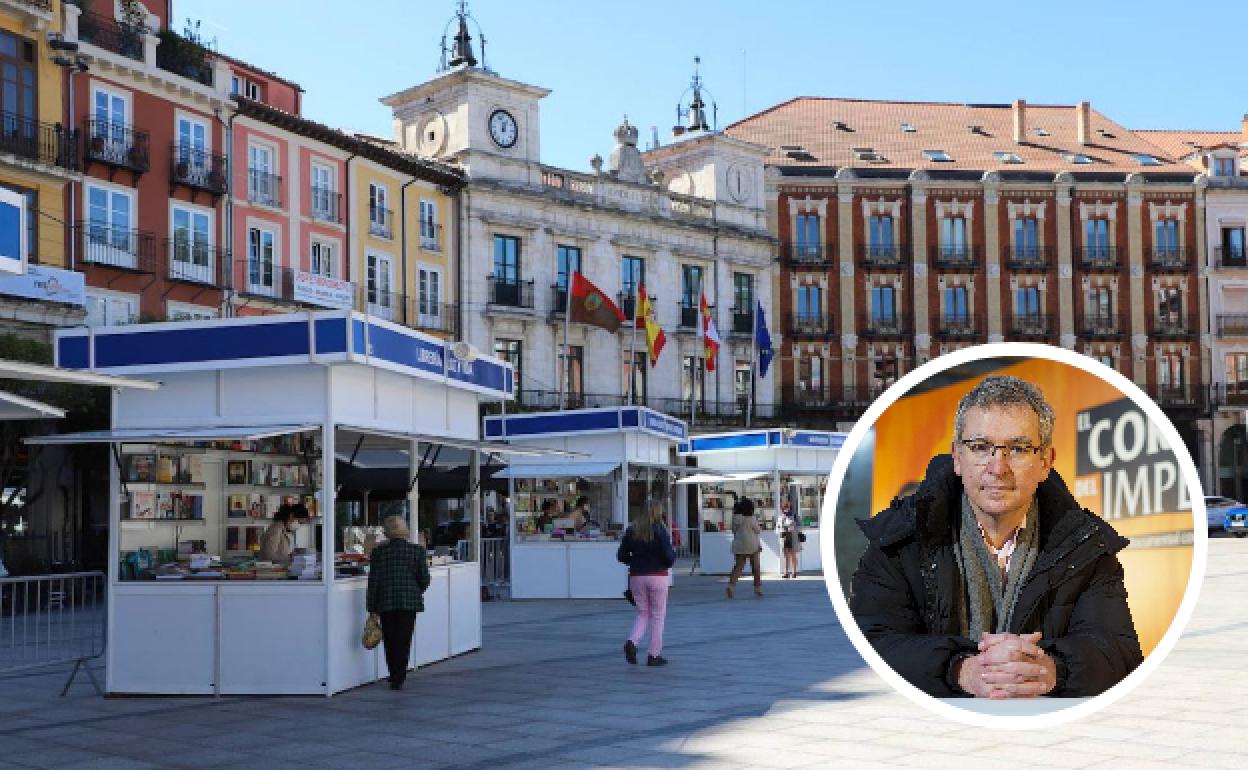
(769, 682)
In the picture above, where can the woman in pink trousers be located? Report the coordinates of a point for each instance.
(647, 550)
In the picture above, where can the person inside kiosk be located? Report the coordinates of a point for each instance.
(278, 543)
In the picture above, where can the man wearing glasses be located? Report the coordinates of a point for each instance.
(990, 580)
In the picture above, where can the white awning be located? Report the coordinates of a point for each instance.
(159, 435)
(15, 407)
(556, 470)
(21, 370)
(712, 477)
(496, 447)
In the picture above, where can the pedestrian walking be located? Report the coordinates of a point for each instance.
(746, 545)
(398, 575)
(789, 528)
(647, 550)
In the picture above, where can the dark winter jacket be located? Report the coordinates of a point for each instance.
(905, 592)
(647, 558)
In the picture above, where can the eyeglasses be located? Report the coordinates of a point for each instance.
(1014, 454)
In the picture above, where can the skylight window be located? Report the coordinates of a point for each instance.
(938, 156)
(1007, 157)
(907, 128)
(1078, 158)
(1040, 132)
(1146, 160)
(868, 154)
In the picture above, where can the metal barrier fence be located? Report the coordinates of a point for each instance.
(47, 620)
(687, 541)
(496, 565)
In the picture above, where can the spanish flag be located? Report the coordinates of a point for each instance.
(710, 336)
(655, 338)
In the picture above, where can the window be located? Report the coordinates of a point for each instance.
(193, 145)
(1146, 160)
(235, 85)
(32, 213)
(1101, 306)
(192, 246)
(691, 378)
(567, 262)
(1007, 157)
(880, 235)
(262, 182)
(638, 372)
(741, 381)
(1166, 238)
(17, 78)
(249, 89)
(1078, 159)
(108, 309)
(511, 352)
(884, 372)
(1169, 306)
(1232, 245)
(428, 225)
(321, 259)
(956, 304)
(632, 276)
(907, 128)
(808, 240)
(379, 279)
(1027, 301)
(506, 260)
(810, 374)
(429, 296)
(1106, 359)
(1170, 371)
(953, 243)
(809, 304)
(110, 237)
(743, 293)
(690, 286)
(260, 261)
(1040, 131)
(378, 213)
(938, 156)
(181, 311)
(1026, 238)
(109, 113)
(572, 376)
(883, 307)
(324, 197)
(1237, 374)
(1096, 240)
(1224, 167)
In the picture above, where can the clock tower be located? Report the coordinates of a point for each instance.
(469, 114)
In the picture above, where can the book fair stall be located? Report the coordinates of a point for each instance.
(618, 459)
(256, 416)
(765, 466)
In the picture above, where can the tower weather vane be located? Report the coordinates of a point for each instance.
(695, 113)
(459, 53)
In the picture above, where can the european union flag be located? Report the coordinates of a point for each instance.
(762, 339)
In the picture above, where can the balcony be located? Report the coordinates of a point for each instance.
(804, 254)
(558, 301)
(1236, 394)
(510, 293)
(260, 279)
(116, 145)
(742, 321)
(31, 140)
(264, 188)
(195, 262)
(197, 169)
(1230, 257)
(430, 236)
(1031, 326)
(806, 325)
(380, 222)
(1035, 258)
(627, 303)
(1100, 259)
(957, 326)
(1100, 325)
(1189, 397)
(386, 305)
(122, 248)
(847, 402)
(433, 317)
(1232, 325)
(112, 35)
(690, 317)
(325, 205)
(1164, 260)
(885, 326)
(961, 257)
(1172, 327)
(184, 57)
(883, 256)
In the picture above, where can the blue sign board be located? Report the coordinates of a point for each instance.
(13, 247)
(581, 421)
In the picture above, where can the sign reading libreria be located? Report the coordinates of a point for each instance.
(13, 245)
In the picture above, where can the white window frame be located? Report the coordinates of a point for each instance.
(108, 297)
(379, 200)
(188, 269)
(429, 240)
(186, 311)
(379, 295)
(274, 199)
(429, 303)
(260, 288)
(113, 251)
(325, 213)
(127, 99)
(335, 249)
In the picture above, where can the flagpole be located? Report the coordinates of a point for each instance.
(565, 382)
(749, 396)
(694, 370)
(632, 345)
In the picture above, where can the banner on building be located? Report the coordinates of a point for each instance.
(13, 246)
(46, 284)
(320, 290)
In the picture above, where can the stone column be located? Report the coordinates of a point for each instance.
(845, 231)
(1065, 261)
(918, 251)
(1140, 296)
(992, 257)
(1200, 259)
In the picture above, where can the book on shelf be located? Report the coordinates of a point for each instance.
(237, 507)
(166, 469)
(260, 474)
(141, 467)
(253, 538)
(237, 472)
(271, 505)
(232, 542)
(311, 503)
(194, 468)
(165, 505)
(255, 505)
(142, 505)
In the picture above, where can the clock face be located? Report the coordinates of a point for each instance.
(738, 184)
(503, 128)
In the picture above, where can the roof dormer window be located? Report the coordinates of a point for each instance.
(938, 156)
(1146, 160)
(1223, 166)
(1004, 156)
(1040, 131)
(868, 154)
(907, 128)
(1079, 159)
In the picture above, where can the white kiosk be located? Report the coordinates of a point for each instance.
(255, 410)
(622, 451)
(762, 465)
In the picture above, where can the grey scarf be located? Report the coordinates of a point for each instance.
(990, 605)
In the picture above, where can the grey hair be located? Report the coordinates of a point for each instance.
(1004, 390)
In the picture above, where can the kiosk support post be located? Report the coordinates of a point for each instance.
(413, 489)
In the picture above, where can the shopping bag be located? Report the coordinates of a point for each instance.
(801, 537)
(372, 632)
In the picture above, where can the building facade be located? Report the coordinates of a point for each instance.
(908, 230)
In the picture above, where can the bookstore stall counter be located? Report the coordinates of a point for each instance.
(764, 465)
(615, 456)
(250, 415)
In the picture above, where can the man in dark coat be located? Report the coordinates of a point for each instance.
(990, 580)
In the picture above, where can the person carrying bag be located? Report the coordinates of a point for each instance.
(647, 550)
(746, 546)
(398, 575)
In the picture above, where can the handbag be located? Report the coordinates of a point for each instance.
(628, 594)
(801, 537)
(372, 632)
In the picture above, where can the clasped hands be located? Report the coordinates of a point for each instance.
(1007, 666)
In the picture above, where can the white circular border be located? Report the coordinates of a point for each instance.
(1015, 350)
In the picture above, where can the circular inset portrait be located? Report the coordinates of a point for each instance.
(1018, 534)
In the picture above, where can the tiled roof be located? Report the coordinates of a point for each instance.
(1180, 144)
(834, 133)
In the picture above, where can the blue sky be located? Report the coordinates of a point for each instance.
(1144, 64)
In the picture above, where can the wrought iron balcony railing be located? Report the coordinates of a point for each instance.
(112, 35)
(803, 253)
(31, 140)
(891, 256)
(510, 292)
(380, 222)
(1100, 325)
(956, 325)
(197, 168)
(118, 247)
(1232, 325)
(742, 321)
(960, 257)
(1029, 258)
(116, 144)
(1168, 259)
(325, 204)
(1230, 257)
(193, 261)
(1031, 325)
(808, 325)
(264, 188)
(430, 236)
(1099, 258)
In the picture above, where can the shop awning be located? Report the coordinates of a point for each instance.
(496, 447)
(557, 470)
(21, 370)
(158, 435)
(15, 407)
(713, 477)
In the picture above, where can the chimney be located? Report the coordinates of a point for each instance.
(1083, 121)
(1020, 121)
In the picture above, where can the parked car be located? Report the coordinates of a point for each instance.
(1226, 514)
